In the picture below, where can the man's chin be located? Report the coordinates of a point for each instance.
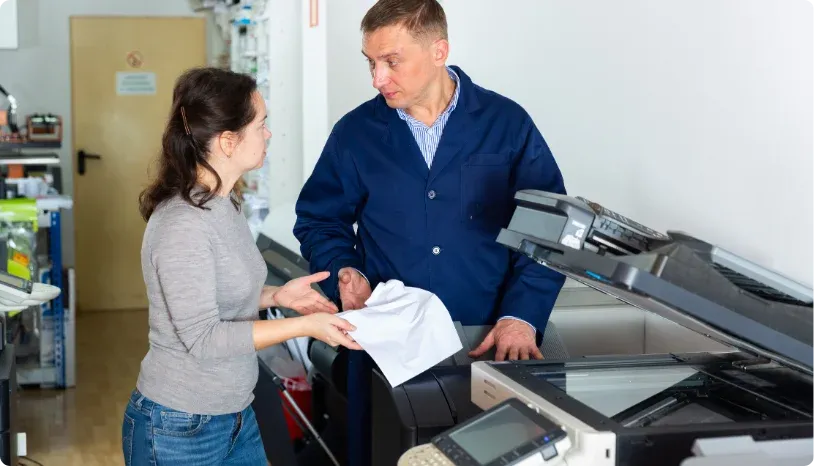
(395, 103)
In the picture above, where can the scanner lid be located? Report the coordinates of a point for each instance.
(691, 282)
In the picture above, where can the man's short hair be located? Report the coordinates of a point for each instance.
(424, 19)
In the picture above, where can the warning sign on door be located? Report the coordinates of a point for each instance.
(141, 83)
(135, 59)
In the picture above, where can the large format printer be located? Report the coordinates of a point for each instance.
(750, 402)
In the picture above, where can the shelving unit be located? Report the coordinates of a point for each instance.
(58, 316)
(244, 26)
(54, 364)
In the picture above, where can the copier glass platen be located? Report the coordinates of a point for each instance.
(650, 409)
(510, 433)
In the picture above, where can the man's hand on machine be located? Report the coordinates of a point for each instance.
(514, 339)
(299, 296)
(354, 290)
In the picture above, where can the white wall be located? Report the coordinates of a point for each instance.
(285, 100)
(691, 115)
(38, 73)
(314, 85)
(350, 83)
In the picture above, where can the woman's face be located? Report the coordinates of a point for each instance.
(251, 151)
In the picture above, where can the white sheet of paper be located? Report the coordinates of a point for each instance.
(405, 330)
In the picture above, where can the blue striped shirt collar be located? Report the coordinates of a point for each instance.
(452, 103)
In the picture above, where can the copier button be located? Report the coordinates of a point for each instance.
(549, 452)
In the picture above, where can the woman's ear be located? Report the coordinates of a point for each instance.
(228, 143)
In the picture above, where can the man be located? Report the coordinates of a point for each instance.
(428, 170)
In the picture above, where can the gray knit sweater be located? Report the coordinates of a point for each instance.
(204, 275)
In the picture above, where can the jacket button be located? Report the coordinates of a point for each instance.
(436, 250)
(431, 194)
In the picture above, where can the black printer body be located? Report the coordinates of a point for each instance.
(402, 417)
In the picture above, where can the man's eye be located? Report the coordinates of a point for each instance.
(392, 63)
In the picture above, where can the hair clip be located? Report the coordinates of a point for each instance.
(184, 117)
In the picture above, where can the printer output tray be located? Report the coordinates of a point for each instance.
(675, 283)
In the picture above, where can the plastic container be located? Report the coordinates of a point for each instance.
(300, 391)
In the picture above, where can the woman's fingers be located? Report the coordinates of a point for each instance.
(325, 308)
(315, 299)
(345, 340)
(326, 304)
(343, 324)
(311, 303)
(317, 277)
(320, 307)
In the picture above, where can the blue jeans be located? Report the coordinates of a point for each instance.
(154, 435)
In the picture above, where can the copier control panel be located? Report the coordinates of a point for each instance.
(510, 433)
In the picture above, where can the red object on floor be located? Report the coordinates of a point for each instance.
(300, 391)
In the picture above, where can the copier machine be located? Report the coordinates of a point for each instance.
(752, 404)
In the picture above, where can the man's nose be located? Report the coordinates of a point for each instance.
(380, 78)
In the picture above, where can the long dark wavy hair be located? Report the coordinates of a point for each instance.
(205, 103)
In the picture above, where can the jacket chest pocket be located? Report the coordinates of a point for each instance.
(486, 193)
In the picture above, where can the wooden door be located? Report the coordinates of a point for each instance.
(122, 73)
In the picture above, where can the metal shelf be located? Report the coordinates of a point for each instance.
(61, 373)
(29, 159)
(5, 145)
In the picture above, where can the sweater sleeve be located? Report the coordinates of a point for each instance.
(184, 260)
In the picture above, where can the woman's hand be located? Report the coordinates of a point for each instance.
(298, 296)
(330, 329)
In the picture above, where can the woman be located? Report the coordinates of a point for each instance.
(205, 284)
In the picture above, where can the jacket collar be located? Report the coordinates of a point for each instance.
(467, 99)
(457, 130)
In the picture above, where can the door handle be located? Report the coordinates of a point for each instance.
(82, 156)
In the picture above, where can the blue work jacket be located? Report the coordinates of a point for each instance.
(433, 228)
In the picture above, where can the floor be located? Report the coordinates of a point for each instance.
(82, 425)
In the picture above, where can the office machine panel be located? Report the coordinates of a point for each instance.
(511, 433)
(627, 410)
(679, 277)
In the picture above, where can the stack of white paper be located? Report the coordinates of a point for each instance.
(405, 330)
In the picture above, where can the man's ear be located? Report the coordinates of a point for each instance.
(228, 143)
(440, 52)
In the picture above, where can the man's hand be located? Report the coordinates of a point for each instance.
(513, 337)
(354, 289)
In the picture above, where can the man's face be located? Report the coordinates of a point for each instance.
(401, 66)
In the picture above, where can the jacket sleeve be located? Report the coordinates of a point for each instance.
(532, 288)
(326, 210)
